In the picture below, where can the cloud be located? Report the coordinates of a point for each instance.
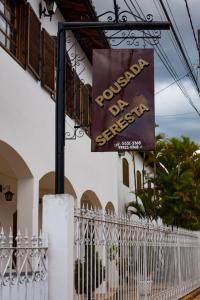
(174, 114)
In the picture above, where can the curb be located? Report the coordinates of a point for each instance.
(191, 295)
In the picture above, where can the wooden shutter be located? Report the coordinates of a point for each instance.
(33, 43)
(84, 105)
(125, 167)
(22, 33)
(139, 181)
(77, 98)
(48, 62)
(69, 90)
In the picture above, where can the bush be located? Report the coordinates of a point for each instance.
(89, 272)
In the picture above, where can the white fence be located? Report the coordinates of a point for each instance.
(118, 259)
(23, 268)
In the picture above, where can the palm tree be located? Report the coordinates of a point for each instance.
(179, 182)
(148, 205)
(176, 194)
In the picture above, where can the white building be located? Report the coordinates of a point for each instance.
(27, 119)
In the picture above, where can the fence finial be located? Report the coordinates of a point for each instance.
(10, 238)
(26, 242)
(19, 239)
(2, 238)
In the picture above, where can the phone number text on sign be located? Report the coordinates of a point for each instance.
(128, 145)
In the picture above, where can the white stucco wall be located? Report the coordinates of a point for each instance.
(127, 194)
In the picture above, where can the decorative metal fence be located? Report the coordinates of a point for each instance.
(118, 259)
(23, 268)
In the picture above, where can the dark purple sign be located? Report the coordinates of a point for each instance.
(123, 115)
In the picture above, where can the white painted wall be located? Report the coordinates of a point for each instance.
(127, 194)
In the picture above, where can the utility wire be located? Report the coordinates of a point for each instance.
(179, 44)
(189, 15)
(183, 45)
(178, 118)
(181, 114)
(172, 38)
(178, 32)
(175, 81)
(163, 57)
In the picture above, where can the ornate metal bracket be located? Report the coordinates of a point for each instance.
(75, 58)
(77, 131)
(130, 37)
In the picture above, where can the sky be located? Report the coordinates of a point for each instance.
(174, 114)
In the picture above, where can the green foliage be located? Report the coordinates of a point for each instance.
(148, 208)
(90, 273)
(176, 197)
(112, 252)
(178, 181)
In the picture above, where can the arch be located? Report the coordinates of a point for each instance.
(89, 199)
(47, 185)
(125, 167)
(15, 175)
(110, 208)
(17, 164)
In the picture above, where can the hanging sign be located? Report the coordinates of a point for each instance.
(122, 111)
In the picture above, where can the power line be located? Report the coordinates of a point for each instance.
(175, 81)
(179, 44)
(177, 118)
(189, 15)
(172, 38)
(178, 32)
(181, 114)
(173, 73)
(163, 56)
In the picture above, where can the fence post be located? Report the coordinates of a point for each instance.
(58, 223)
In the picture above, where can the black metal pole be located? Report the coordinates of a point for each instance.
(138, 25)
(60, 111)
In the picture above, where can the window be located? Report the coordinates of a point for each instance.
(139, 181)
(125, 167)
(22, 37)
(13, 28)
(8, 25)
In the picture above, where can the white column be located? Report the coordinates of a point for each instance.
(58, 223)
(27, 196)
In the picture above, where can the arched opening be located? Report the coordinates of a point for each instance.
(110, 208)
(14, 177)
(47, 187)
(89, 199)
